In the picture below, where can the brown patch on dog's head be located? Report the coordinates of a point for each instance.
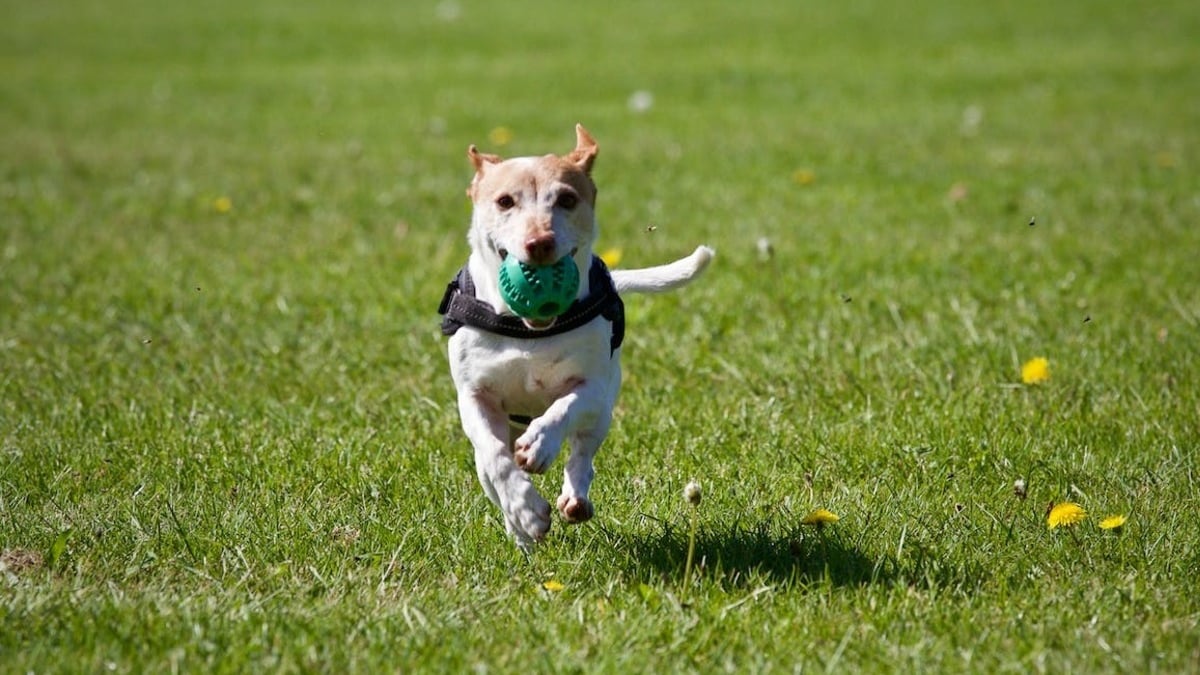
(583, 157)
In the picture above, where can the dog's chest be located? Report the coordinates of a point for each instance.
(528, 375)
(531, 385)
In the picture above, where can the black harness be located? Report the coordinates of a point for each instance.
(460, 308)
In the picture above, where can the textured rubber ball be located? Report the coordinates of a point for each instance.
(539, 292)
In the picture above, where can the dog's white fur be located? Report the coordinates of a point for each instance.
(540, 209)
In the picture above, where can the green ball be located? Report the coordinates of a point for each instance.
(539, 292)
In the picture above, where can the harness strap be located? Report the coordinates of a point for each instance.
(460, 307)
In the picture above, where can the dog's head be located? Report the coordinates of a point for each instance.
(538, 209)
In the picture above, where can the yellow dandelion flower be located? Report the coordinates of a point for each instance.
(1065, 514)
(611, 257)
(1035, 370)
(553, 586)
(1113, 523)
(500, 136)
(819, 517)
(222, 204)
(804, 176)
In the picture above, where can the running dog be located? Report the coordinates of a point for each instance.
(527, 386)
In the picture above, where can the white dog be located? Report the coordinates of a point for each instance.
(526, 386)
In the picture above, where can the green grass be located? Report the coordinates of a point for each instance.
(228, 439)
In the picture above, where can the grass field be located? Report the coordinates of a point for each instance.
(228, 440)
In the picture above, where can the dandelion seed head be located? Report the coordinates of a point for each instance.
(765, 249)
(640, 101)
(691, 492)
(972, 116)
(448, 11)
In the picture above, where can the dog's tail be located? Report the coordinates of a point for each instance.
(663, 277)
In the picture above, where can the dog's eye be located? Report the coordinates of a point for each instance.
(567, 200)
(505, 202)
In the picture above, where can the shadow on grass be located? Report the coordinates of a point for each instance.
(738, 555)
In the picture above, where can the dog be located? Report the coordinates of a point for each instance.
(526, 386)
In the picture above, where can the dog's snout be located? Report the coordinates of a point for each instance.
(540, 248)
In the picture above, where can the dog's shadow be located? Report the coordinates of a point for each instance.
(739, 555)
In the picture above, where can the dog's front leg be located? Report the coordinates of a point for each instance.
(536, 449)
(583, 416)
(573, 503)
(526, 513)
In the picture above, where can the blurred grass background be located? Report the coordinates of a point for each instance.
(227, 433)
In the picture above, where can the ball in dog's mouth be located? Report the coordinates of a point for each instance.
(539, 325)
(539, 293)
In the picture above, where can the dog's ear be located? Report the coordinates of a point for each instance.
(584, 154)
(478, 159)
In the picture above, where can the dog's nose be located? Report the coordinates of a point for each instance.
(540, 248)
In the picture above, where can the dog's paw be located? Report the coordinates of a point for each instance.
(575, 509)
(529, 522)
(535, 450)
